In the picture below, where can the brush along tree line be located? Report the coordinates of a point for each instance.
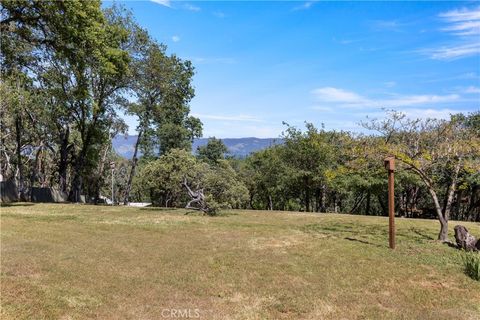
(70, 69)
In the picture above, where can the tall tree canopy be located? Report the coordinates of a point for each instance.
(82, 66)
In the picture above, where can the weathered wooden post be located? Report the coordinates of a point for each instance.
(390, 166)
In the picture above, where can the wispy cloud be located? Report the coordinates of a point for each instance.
(390, 84)
(191, 7)
(331, 94)
(322, 108)
(387, 25)
(454, 52)
(219, 14)
(166, 3)
(464, 25)
(463, 21)
(175, 38)
(304, 6)
(240, 117)
(472, 89)
(348, 99)
(431, 113)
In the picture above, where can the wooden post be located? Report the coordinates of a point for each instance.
(390, 166)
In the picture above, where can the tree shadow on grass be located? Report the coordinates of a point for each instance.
(422, 235)
(363, 241)
(17, 204)
(158, 209)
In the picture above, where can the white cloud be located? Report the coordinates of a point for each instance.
(462, 21)
(219, 14)
(390, 84)
(461, 15)
(330, 94)
(166, 3)
(431, 113)
(464, 25)
(175, 38)
(387, 25)
(455, 52)
(240, 117)
(191, 7)
(348, 99)
(425, 99)
(472, 89)
(322, 108)
(304, 6)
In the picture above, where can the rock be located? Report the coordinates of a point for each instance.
(465, 240)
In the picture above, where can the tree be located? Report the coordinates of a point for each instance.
(308, 155)
(166, 180)
(213, 151)
(77, 55)
(267, 179)
(438, 151)
(162, 88)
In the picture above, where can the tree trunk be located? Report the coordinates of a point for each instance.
(77, 181)
(99, 179)
(367, 209)
(307, 195)
(443, 234)
(18, 133)
(63, 164)
(382, 205)
(132, 170)
(451, 191)
(335, 202)
(358, 202)
(35, 169)
(444, 215)
(323, 207)
(317, 200)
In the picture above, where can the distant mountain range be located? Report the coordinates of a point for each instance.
(237, 147)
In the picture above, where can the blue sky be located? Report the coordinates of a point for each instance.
(261, 63)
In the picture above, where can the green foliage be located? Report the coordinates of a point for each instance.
(162, 179)
(162, 87)
(471, 264)
(222, 183)
(81, 62)
(213, 151)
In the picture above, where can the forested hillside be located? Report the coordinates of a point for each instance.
(124, 145)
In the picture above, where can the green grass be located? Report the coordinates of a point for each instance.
(471, 263)
(79, 261)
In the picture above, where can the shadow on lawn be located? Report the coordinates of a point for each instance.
(363, 241)
(17, 204)
(422, 235)
(158, 209)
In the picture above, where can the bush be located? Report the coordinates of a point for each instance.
(471, 263)
(213, 206)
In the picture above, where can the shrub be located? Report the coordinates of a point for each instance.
(471, 263)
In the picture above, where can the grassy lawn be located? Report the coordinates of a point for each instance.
(79, 261)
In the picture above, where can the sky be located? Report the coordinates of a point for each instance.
(259, 64)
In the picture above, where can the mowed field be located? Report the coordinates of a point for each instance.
(61, 261)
